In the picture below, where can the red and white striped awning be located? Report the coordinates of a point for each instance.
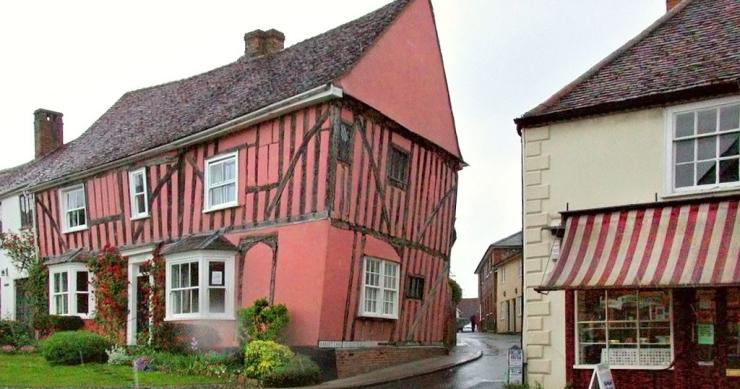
(668, 245)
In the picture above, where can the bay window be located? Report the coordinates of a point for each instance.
(705, 146)
(379, 289)
(69, 290)
(200, 285)
(221, 177)
(624, 328)
(74, 213)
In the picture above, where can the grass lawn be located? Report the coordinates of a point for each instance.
(32, 370)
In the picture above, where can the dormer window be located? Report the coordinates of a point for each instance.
(74, 213)
(705, 146)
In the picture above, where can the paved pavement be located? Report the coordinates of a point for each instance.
(489, 371)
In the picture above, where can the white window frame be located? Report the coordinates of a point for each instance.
(669, 120)
(207, 186)
(203, 258)
(133, 194)
(71, 293)
(606, 335)
(381, 290)
(63, 211)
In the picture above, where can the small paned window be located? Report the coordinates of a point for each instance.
(26, 207)
(138, 192)
(60, 293)
(184, 288)
(380, 289)
(706, 147)
(74, 214)
(398, 167)
(345, 143)
(415, 287)
(200, 286)
(625, 328)
(221, 182)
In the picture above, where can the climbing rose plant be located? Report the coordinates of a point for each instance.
(110, 282)
(20, 248)
(160, 335)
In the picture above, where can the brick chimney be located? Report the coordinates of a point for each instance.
(669, 4)
(48, 131)
(258, 43)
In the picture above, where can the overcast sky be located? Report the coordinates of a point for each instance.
(502, 58)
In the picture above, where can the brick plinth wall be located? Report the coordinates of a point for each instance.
(352, 362)
(685, 374)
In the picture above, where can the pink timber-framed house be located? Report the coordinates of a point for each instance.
(322, 176)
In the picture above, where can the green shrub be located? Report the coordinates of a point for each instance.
(14, 333)
(118, 355)
(66, 323)
(298, 371)
(456, 291)
(262, 321)
(74, 347)
(262, 357)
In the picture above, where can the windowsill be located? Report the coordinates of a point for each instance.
(695, 192)
(591, 367)
(200, 316)
(377, 316)
(140, 217)
(221, 207)
(75, 229)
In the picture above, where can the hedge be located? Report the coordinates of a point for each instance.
(74, 347)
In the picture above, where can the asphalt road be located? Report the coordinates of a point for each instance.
(487, 372)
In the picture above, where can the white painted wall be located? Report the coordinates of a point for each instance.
(610, 160)
(10, 215)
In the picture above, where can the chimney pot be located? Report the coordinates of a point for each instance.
(669, 4)
(258, 43)
(48, 130)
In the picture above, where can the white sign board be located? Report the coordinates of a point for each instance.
(516, 361)
(602, 378)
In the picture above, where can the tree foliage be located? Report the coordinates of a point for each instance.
(456, 291)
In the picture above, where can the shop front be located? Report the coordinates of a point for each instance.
(654, 292)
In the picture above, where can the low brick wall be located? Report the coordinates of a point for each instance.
(356, 361)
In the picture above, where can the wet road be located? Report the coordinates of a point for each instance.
(487, 372)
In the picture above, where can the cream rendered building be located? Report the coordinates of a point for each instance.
(608, 141)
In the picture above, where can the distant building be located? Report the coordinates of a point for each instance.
(468, 307)
(500, 285)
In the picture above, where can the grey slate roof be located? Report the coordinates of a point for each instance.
(151, 117)
(513, 240)
(695, 46)
(75, 255)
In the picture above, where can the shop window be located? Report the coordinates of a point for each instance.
(380, 289)
(706, 146)
(624, 328)
(200, 286)
(69, 290)
(415, 287)
(706, 315)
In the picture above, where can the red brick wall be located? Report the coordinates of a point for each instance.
(352, 362)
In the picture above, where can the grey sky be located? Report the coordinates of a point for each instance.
(502, 58)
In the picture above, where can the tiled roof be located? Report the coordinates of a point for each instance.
(513, 240)
(695, 47)
(75, 255)
(151, 117)
(213, 242)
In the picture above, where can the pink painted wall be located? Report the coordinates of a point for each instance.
(257, 274)
(402, 76)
